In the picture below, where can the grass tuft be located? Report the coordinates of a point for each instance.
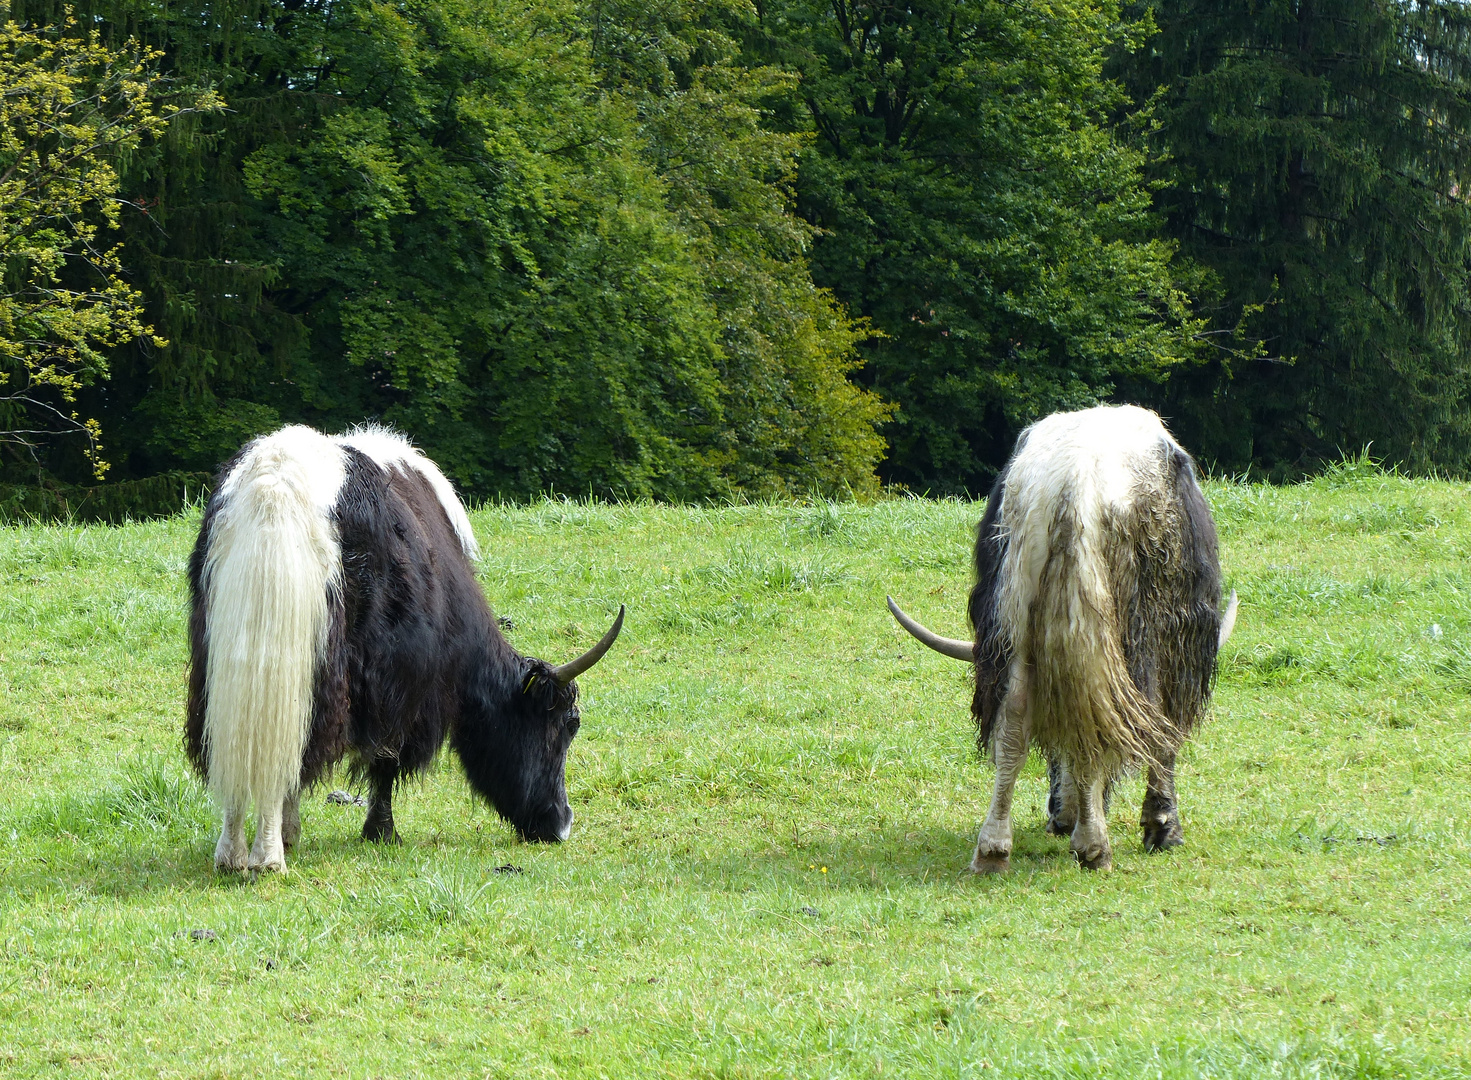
(151, 796)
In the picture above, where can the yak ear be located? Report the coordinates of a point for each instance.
(539, 684)
(535, 679)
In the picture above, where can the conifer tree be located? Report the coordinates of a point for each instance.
(1313, 157)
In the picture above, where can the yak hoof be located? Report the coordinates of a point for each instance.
(230, 855)
(374, 833)
(1162, 836)
(230, 863)
(268, 859)
(291, 833)
(997, 863)
(1055, 827)
(1095, 860)
(273, 863)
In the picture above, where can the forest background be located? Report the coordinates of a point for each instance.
(706, 249)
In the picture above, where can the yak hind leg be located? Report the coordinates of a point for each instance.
(1160, 814)
(231, 851)
(1062, 798)
(268, 853)
(291, 820)
(1090, 835)
(1009, 749)
(379, 824)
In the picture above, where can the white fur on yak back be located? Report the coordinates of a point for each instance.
(272, 563)
(391, 450)
(1082, 490)
(273, 557)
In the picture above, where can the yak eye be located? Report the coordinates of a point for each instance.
(572, 725)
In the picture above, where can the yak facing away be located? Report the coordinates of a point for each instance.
(334, 612)
(1097, 621)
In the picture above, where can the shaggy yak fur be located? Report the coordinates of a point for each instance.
(1097, 620)
(335, 613)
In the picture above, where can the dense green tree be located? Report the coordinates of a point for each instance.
(480, 260)
(1314, 157)
(794, 421)
(438, 213)
(976, 206)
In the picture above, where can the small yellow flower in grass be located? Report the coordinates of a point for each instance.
(824, 869)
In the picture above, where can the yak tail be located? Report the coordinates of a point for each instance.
(1082, 677)
(1060, 611)
(1228, 620)
(272, 559)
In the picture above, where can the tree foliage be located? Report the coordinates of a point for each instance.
(70, 108)
(977, 207)
(1313, 157)
(794, 420)
(440, 214)
(718, 247)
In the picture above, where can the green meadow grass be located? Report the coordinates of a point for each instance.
(776, 795)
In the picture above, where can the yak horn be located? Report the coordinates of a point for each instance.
(573, 668)
(951, 647)
(1228, 620)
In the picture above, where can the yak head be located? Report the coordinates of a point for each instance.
(523, 770)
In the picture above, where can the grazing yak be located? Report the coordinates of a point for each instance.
(334, 611)
(1097, 619)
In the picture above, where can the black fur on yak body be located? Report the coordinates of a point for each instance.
(1097, 620)
(411, 656)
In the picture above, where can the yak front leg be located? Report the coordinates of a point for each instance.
(1009, 750)
(291, 820)
(1160, 814)
(268, 852)
(379, 823)
(231, 851)
(1090, 835)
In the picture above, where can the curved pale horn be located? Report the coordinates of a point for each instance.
(573, 668)
(951, 647)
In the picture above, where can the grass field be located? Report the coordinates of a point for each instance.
(776, 795)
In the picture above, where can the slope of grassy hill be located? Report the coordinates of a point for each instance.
(776, 795)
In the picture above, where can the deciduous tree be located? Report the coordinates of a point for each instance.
(976, 206)
(70, 108)
(450, 216)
